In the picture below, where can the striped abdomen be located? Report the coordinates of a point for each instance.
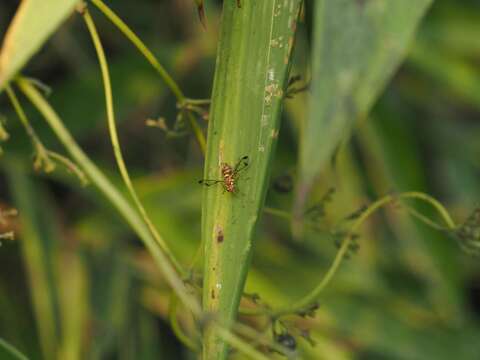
(228, 177)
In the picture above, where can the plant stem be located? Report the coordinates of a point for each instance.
(21, 115)
(253, 63)
(130, 216)
(279, 213)
(177, 330)
(140, 45)
(69, 165)
(116, 143)
(12, 351)
(111, 193)
(43, 156)
(239, 344)
(312, 296)
(169, 81)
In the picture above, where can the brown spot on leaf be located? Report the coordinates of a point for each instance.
(219, 234)
(220, 237)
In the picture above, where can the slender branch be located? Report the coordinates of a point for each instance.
(177, 330)
(116, 143)
(261, 338)
(150, 57)
(47, 90)
(277, 212)
(44, 158)
(198, 101)
(21, 114)
(111, 193)
(70, 166)
(426, 220)
(140, 45)
(239, 344)
(41, 152)
(196, 257)
(11, 350)
(198, 132)
(311, 297)
(127, 212)
(442, 211)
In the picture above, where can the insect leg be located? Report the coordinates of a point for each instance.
(207, 182)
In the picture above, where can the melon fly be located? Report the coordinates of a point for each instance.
(229, 175)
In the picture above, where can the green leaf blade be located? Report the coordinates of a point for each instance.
(358, 45)
(34, 22)
(253, 62)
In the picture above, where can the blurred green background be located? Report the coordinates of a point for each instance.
(76, 283)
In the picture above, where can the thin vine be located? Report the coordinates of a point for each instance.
(307, 305)
(150, 57)
(97, 178)
(176, 328)
(113, 195)
(45, 159)
(116, 143)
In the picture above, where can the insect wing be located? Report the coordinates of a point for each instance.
(241, 165)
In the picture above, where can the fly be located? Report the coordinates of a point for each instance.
(229, 175)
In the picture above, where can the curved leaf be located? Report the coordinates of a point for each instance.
(358, 44)
(32, 25)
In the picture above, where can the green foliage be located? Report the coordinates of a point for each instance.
(251, 75)
(34, 23)
(379, 269)
(8, 352)
(357, 47)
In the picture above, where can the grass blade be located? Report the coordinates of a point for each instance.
(39, 253)
(253, 59)
(110, 192)
(7, 351)
(357, 47)
(34, 22)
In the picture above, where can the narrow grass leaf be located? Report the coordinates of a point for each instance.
(253, 63)
(34, 22)
(357, 47)
(39, 252)
(8, 351)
